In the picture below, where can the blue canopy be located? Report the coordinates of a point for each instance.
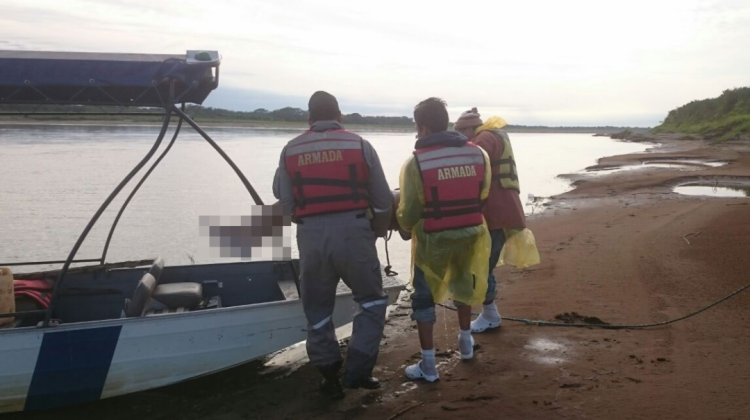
(35, 77)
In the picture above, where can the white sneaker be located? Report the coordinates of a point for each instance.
(415, 372)
(466, 348)
(482, 324)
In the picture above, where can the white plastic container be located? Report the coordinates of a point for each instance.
(7, 299)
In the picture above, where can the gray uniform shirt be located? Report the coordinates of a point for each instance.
(381, 200)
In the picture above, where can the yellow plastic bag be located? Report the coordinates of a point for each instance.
(520, 249)
(492, 123)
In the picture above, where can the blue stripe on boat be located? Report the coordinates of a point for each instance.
(72, 367)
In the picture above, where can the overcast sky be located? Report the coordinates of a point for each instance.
(532, 62)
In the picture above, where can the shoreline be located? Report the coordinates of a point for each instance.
(612, 247)
(287, 126)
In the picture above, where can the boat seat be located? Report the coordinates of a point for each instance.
(179, 295)
(136, 306)
(156, 268)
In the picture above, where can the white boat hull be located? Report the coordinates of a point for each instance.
(83, 362)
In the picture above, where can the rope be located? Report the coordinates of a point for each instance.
(388, 268)
(616, 326)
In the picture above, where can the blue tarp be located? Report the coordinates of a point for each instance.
(104, 79)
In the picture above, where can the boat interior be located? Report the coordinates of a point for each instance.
(158, 289)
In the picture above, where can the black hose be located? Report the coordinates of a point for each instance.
(616, 326)
(388, 268)
(245, 182)
(92, 222)
(137, 187)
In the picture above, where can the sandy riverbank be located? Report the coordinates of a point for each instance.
(612, 248)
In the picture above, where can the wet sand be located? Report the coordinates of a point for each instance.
(615, 248)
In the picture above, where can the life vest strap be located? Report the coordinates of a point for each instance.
(334, 199)
(498, 162)
(356, 216)
(453, 203)
(498, 177)
(356, 186)
(327, 182)
(454, 212)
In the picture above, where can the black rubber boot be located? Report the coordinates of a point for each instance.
(356, 381)
(330, 385)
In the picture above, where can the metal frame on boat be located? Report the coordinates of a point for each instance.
(209, 317)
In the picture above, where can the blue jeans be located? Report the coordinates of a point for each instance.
(498, 240)
(422, 303)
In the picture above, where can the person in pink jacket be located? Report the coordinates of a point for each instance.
(502, 210)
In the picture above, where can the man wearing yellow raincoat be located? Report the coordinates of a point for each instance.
(442, 187)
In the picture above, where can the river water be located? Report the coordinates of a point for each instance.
(54, 177)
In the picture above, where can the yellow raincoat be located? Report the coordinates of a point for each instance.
(454, 261)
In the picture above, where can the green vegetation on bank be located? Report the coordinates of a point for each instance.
(724, 118)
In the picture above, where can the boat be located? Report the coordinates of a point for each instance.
(80, 334)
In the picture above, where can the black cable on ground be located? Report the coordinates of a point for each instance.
(615, 326)
(388, 268)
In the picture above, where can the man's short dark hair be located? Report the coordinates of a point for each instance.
(433, 114)
(323, 106)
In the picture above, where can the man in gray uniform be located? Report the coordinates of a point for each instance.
(332, 181)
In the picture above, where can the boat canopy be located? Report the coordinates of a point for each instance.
(75, 78)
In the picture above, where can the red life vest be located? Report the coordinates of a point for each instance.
(452, 178)
(38, 290)
(328, 171)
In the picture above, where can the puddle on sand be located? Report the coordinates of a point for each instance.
(720, 191)
(545, 345)
(681, 164)
(672, 163)
(549, 360)
(547, 352)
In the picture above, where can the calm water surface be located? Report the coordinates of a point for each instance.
(53, 178)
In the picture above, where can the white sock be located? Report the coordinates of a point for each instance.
(490, 312)
(428, 364)
(465, 335)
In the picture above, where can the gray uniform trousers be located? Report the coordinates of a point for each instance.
(333, 247)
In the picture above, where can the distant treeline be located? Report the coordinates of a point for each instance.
(726, 117)
(206, 114)
(289, 114)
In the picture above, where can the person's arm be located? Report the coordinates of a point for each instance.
(282, 185)
(411, 205)
(381, 199)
